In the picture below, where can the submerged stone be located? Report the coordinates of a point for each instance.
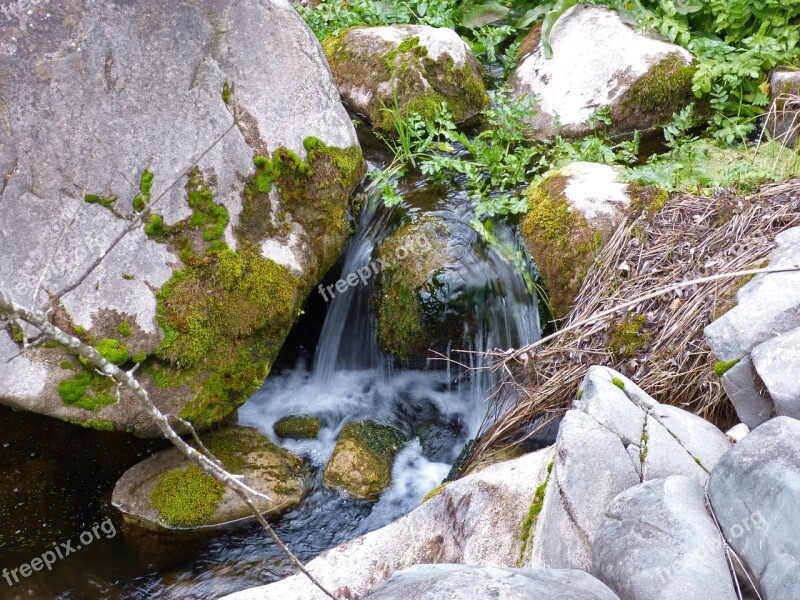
(297, 427)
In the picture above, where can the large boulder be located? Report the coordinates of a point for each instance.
(475, 520)
(571, 212)
(755, 493)
(413, 68)
(657, 542)
(614, 438)
(749, 339)
(361, 463)
(462, 582)
(95, 123)
(166, 492)
(599, 61)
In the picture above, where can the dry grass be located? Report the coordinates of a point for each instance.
(659, 342)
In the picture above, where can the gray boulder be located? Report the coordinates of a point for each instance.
(777, 363)
(104, 106)
(614, 438)
(599, 61)
(657, 542)
(755, 493)
(461, 582)
(781, 123)
(767, 306)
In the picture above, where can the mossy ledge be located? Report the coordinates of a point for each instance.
(563, 245)
(529, 522)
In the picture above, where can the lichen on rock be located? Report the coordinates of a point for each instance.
(412, 68)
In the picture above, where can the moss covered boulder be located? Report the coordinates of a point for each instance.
(415, 304)
(572, 211)
(240, 218)
(599, 61)
(167, 492)
(297, 427)
(411, 67)
(361, 463)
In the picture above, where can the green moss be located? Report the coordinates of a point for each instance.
(208, 216)
(434, 492)
(104, 202)
(226, 92)
(67, 365)
(99, 424)
(51, 344)
(113, 351)
(665, 89)
(128, 276)
(561, 242)
(646, 199)
(618, 382)
(382, 441)
(139, 357)
(297, 427)
(580, 393)
(87, 390)
(155, 226)
(529, 522)
(186, 497)
(16, 332)
(721, 368)
(124, 329)
(145, 185)
(627, 338)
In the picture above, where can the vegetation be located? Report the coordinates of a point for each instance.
(187, 497)
(297, 427)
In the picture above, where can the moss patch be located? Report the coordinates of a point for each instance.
(720, 368)
(297, 427)
(107, 202)
(561, 242)
(529, 522)
(186, 497)
(113, 351)
(618, 382)
(434, 492)
(145, 186)
(627, 337)
(87, 390)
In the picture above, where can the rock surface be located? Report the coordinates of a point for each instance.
(777, 363)
(411, 67)
(572, 211)
(599, 61)
(657, 542)
(475, 520)
(94, 122)
(767, 306)
(755, 493)
(614, 438)
(361, 462)
(166, 492)
(460, 582)
(782, 123)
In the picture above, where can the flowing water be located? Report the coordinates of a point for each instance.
(336, 372)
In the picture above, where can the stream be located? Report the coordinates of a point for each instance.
(330, 367)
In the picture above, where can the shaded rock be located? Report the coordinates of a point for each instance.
(461, 582)
(412, 67)
(95, 124)
(782, 122)
(361, 462)
(297, 427)
(572, 212)
(167, 492)
(599, 61)
(615, 437)
(777, 363)
(755, 493)
(657, 542)
(475, 520)
(767, 306)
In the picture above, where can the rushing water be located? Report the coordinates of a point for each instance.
(336, 372)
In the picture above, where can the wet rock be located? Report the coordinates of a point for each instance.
(206, 289)
(411, 67)
(167, 492)
(657, 542)
(297, 427)
(361, 462)
(767, 306)
(614, 438)
(572, 211)
(755, 491)
(599, 61)
(475, 520)
(462, 582)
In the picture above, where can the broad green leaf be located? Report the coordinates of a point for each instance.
(559, 9)
(483, 15)
(530, 17)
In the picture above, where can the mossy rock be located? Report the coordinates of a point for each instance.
(571, 212)
(411, 67)
(167, 492)
(361, 462)
(415, 308)
(297, 427)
